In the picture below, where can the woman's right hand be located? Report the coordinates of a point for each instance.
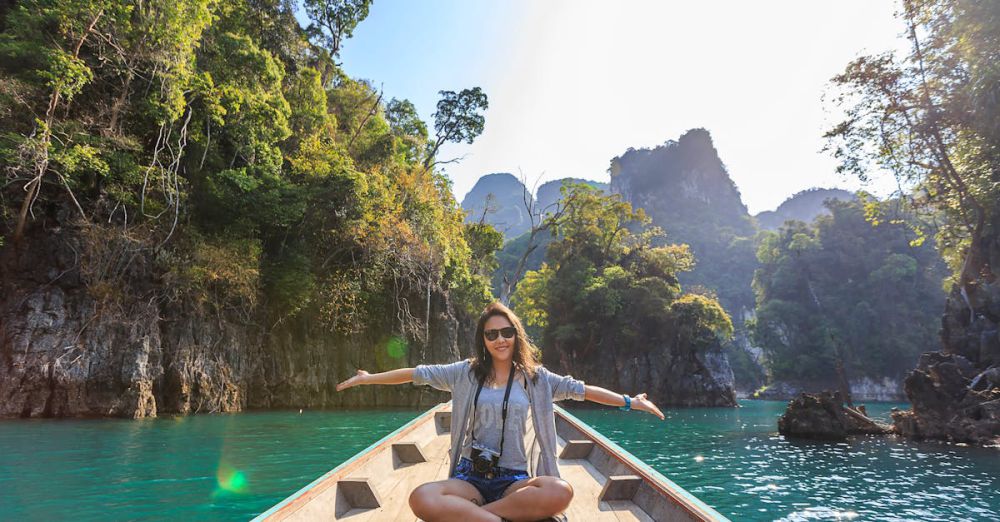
(358, 379)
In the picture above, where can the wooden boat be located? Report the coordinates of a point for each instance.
(609, 483)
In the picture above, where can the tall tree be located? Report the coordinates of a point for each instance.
(930, 118)
(457, 119)
(333, 21)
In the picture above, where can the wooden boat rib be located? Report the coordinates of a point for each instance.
(609, 483)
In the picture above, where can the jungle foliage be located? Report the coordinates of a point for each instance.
(844, 291)
(931, 118)
(225, 139)
(605, 285)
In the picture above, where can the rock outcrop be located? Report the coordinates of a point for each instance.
(823, 416)
(684, 188)
(672, 376)
(956, 393)
(952, 401)
(71, 347)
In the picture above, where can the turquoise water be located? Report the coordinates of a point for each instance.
(232, 467)
(202, 467)
(735, 461)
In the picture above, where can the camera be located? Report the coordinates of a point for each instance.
(484, 461)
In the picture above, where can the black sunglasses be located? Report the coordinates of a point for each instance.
(507, 333)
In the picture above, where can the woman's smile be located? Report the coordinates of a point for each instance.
(501, 350)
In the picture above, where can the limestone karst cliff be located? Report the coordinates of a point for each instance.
(685, 188)
(66, 350)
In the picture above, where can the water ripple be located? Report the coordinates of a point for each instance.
(749, 472)
(732, 459)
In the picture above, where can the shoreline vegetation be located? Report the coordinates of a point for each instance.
(203, 212)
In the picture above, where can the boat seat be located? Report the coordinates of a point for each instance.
(620, 487)
(576, 449)
(408, 453)
(442, 419)
(359, 493)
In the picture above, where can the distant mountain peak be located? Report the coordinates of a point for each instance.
(504, 194)
(684, 170)
(498, 198)
(550, 192)
(804, 206)
(684, 188)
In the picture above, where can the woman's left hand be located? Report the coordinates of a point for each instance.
(642, 403)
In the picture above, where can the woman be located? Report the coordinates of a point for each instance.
(494, 475)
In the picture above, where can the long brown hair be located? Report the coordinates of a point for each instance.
(526, 356)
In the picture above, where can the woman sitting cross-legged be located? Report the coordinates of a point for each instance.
(494, 395)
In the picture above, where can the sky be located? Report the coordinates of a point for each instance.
(575, 83)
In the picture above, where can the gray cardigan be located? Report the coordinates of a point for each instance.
(545, 389)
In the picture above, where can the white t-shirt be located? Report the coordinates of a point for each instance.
(489, 419)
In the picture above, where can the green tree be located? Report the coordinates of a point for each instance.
(457, 119)
(333, 21)
(843, 297)
(408, 127)
(218, 139)
(930, 118)
(605, 286)
(76, 65)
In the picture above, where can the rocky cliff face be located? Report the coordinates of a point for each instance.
(682, 180)
(73, 348)
(956, 393)
(685, 189)
(672, 376)
(305, 366)
(749, 362)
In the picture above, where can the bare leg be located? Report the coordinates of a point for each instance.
(533, 499)
(449, 500)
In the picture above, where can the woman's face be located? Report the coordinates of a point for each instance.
(501, 348)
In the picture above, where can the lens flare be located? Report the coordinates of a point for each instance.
(231, 480)
(396, 347)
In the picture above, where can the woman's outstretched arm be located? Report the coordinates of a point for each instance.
(400, 376)
(602, 396)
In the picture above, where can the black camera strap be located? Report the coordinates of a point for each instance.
(503, 414)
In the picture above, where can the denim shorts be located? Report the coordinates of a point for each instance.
(491, 489)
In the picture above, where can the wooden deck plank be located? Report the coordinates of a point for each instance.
(587, 484)
(395, 485)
